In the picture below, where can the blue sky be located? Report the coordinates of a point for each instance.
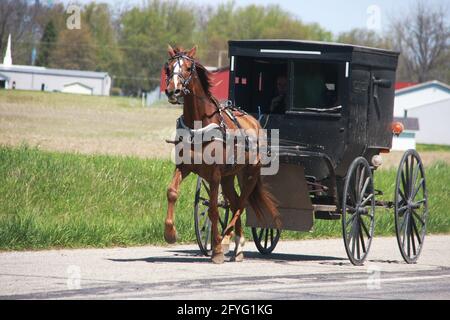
(335, 15)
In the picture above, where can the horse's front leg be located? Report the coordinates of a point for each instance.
(218, 256)
(170, 233)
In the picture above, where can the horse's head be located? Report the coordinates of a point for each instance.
(179, 72)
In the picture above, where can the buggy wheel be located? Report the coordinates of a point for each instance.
(411, 206)
(265, 239)
(203, 230)
(358, 211)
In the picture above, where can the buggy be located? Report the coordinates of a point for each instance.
(335, 122)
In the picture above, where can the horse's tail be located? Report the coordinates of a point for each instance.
(261, 199)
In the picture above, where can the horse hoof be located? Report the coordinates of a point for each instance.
(218, 258)
(170, 236)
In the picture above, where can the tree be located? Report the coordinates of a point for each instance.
(364, 37)
(252, 22)
(100, 22)
(423, 37)
(144, 35)
(74, 50)
(47, 44)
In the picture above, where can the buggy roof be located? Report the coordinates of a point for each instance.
(285, 48)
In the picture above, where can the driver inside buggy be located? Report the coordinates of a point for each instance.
(280, 102)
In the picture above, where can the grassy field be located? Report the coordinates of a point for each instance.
(86, 124)
(51, 199)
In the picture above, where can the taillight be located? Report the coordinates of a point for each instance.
(397, 128)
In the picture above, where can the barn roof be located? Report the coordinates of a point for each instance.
(54, 72)
(410, 124)
(430, 84)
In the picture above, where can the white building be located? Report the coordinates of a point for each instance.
(55, 80)
(430, 103)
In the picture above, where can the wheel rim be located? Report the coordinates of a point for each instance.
(265, 239)
(411, 206)
(358, 211)
(203, 230)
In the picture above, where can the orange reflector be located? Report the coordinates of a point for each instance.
(397, 128)
(385, 150)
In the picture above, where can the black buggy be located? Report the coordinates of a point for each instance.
(335, 119)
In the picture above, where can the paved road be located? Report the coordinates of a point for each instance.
(313, 269)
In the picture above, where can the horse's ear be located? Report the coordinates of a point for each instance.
(192, 52)
(170, 51)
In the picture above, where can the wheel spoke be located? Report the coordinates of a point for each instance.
(365, 228)
(418, 217)
(364, 188)
(356, 181)
(369, 197)
(405, 219)
(404, 224)
(271, 236)
(360, 184)
(266, 238)
(416, 191)
(350, 220)
(411, 175)
(415, 174)
(402, 196)
(416, 231)
(205, 220)
(358, 250)
(260, 235)
(354, 235)
(405, 179)
(361, 236)
(420, 202)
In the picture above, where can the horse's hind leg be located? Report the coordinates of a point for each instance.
(239, 241)
(233, 199)
(248, 184)
(170, 233)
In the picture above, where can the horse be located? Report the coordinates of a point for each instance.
(189, 83)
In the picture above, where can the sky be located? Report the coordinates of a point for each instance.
(334, 15)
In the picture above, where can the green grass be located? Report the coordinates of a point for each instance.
(50, 200)
(432, 147)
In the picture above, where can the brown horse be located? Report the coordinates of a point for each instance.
(188, 83)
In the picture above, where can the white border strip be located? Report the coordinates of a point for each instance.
(291, 51)
(232, 63)
(347, 69)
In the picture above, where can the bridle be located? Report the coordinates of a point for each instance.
(184, 81)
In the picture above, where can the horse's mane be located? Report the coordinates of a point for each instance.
(203, 75)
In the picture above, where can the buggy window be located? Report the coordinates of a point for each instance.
(261, 85)
(316, 87)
